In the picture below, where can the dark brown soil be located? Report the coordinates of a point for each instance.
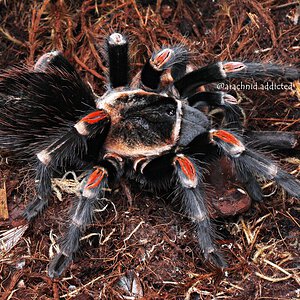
(149, 244)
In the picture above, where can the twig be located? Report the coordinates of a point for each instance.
(14, 280)
(75, 292)
(277, 279)
(134, 230)
(93, 72)
(55, 291)
(11, 38)
(285, 5)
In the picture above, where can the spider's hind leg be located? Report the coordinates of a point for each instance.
(248, 164)
(54, 59)
(232, 112)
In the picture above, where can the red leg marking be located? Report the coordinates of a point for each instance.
(95, 178)
(161, 58)
(227, 137)
(232, 67)
(187, 167)
(95, 117)
(230, 99)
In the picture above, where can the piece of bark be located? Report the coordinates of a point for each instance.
(3, 204)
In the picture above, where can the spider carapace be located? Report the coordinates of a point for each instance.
(152, 129)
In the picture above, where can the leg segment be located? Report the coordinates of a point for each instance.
(190, 189)
(168, 58)
(64, 150)
(227, 102)
(92, 191)
(248, 163)
(223, 70)
(54, 59)
(117, 48)
(271, 139)
(55, 62)
(80, 218)
(43, 190)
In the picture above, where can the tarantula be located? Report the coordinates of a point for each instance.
(151, 129)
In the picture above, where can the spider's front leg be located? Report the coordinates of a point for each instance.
(190, 188)
(92, 191)
(117, 49)
(220, 71)
(65, 150)
(175, 59)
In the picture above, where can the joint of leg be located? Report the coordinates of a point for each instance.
(200, 217)
(116, 39)
(187, 171)
(95, 117)
(65, 254)
(210, 250)
(44, 60)
(227, 141)
(82, 128)
(272, 170)
(229, 99)
(77, 222)
(161, 59)
(95, 179)
(232, 67)
(89, 193)
(44, 157)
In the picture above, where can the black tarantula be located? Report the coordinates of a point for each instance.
(151, 130)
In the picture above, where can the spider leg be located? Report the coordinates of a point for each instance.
(174, 59)
(64, 150)
(37, 104)
(223, 70)
(248, 163)
(43, 191)
(232, 112)
(273, 139)
(190, 188)
(117, 48)
(92, 191)
(54, 59)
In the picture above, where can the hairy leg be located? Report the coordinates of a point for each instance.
(224, 70)
(117, 49)
(64, 150)
(190, 189)
(249, 163)
(93, 189)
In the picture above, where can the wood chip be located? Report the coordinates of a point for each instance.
(3, 204)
